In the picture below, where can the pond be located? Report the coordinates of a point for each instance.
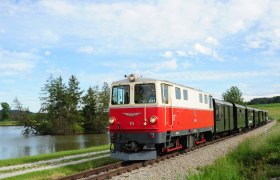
(13, 144)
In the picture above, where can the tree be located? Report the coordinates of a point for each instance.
(60, 103)
(73, 99)
(103, 107)
(233, 95)
(89, 110)
(5, 110)
(61, 111)
(20, 113)
(73, 94)
(54, 105)
(17, 104)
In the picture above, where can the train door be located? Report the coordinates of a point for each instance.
(167, 101)
(226, 116)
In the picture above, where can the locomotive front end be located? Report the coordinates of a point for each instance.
(134, 119)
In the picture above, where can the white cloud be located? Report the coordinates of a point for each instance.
(205, 50)
(86, 49)
(127, 24)
(2, 30)
(167, 54)
(214, 76)
(181, 53)
(269, 40)
(212, 41)
(14, 63)
(167, 65)
(58, 7)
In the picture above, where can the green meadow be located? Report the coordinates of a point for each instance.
(8, 123)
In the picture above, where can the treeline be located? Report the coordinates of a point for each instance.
(265, 100)
(16, 114)
(66, 109)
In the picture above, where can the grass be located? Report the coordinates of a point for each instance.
(64, 171)
(256, 158)
(8, 123)
(29, 159)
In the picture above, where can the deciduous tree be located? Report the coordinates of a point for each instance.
(233, 95)
(5, 111)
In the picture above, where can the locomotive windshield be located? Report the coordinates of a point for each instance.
(120, 95)
(145, 93)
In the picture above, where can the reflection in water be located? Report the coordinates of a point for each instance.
(14, 144)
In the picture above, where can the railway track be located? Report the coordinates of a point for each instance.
(108, 171)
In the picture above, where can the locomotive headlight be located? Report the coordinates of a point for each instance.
(111, 120)
(153, 119)
(132, 77)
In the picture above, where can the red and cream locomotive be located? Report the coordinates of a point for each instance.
(149, 117)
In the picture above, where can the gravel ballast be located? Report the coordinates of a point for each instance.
(176, 168)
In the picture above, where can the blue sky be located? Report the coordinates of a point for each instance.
(210, 45)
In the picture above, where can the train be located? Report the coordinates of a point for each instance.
(150, 117)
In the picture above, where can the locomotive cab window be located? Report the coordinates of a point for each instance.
(200, 98)
(164, 93)
(210, 102)
(120, 95)
(178, 93)
(145, 93)
(185, 94)
(205, 99)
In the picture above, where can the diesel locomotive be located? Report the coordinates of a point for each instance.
(150, 117)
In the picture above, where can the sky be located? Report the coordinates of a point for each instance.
(206, 44)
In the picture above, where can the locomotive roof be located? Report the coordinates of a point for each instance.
(142, 79)
(138, 79)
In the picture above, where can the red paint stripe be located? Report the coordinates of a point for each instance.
(183, 119)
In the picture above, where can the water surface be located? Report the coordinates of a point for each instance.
(13, 144)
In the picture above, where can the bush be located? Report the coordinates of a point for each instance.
(78, 129)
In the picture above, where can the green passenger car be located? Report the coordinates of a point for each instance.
(256, 117)
(223, 116)
(265, 116)
(249, 116)
(239, 116)
(261, 117)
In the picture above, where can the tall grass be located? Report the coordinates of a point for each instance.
(256, 158)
